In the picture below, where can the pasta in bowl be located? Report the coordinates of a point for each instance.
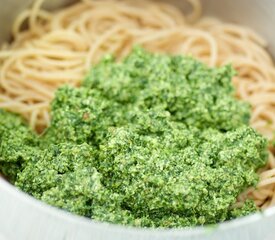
(59, 49)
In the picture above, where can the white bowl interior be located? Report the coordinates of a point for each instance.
(22, 217)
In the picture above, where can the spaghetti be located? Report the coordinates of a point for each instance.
(59, 48)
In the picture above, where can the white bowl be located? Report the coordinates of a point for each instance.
(25, 218)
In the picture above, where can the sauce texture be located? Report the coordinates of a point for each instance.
(152, 141)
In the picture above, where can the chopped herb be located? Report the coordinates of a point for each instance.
(153, 141)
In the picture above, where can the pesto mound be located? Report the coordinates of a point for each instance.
(153, 141)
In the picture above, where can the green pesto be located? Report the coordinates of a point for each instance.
(153, 141)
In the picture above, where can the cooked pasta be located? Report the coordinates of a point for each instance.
(59, 48)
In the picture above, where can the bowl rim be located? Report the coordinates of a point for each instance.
(43, 208)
